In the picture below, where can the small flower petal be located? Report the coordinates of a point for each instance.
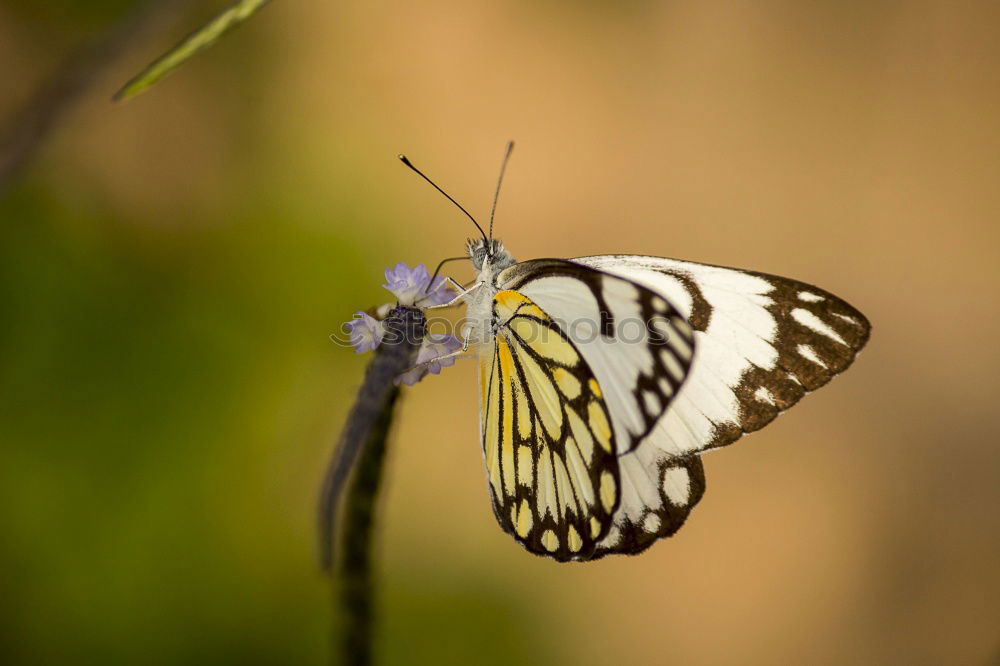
(412, 286)
(365, 332)
(407, 284)
(433, 349)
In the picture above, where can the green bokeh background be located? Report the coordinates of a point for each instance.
(171, 269)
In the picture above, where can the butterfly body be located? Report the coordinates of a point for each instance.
(489, 260)
(603, 378)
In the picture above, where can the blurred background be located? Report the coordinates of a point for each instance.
(171, 268)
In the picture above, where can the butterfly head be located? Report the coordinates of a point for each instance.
(489, 252)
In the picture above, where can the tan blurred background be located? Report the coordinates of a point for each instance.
(171, 268)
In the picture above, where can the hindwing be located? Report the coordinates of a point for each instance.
(547, 435)
(638, 348)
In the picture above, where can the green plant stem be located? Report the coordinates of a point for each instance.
(199, 40)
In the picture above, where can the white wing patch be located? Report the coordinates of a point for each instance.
(809, 353)
(809, 320)
(764, 395)
(677, 486)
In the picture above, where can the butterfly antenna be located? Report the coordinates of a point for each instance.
(437, 270)
(404, 160)
(496, 195)
(430, 290)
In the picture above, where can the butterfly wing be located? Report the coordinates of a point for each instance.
(658, 493)
(547, 437)
(763, 342)
(639, 345)
(638, 348)
(749, 345)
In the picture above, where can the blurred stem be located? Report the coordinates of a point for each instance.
(31, 125)
(357, 464)
(356, 585)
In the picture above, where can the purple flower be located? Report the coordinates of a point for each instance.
(366, 332)
(433, 347)
(414, 286)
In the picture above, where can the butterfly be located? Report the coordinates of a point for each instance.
(603, 378)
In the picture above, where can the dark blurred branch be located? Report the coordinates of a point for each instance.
(404, 331)
(355, 588)
(361, 449)
(30, 126)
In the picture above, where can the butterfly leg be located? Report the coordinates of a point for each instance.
(463, 352)
(458, 354)
(428, 294)
(462, 294)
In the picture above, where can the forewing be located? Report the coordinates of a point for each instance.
(547, 436)
(762, 342)
(638, 344)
